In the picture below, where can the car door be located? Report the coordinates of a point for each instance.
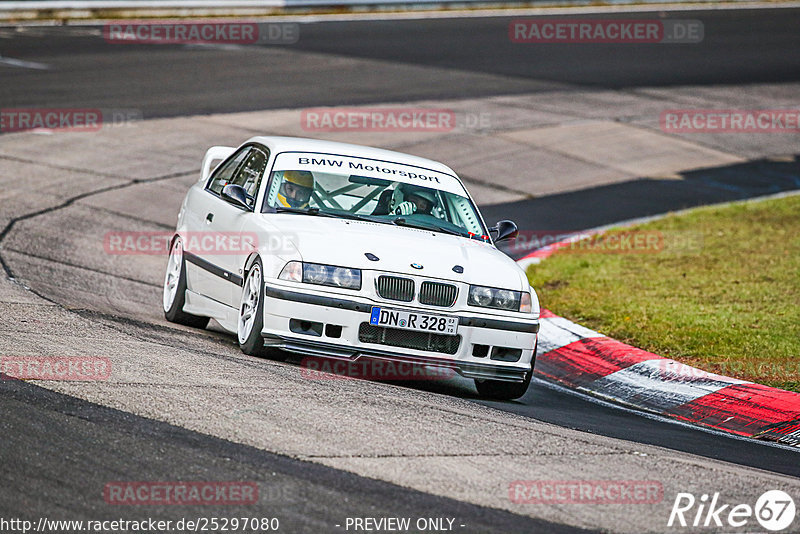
(209, 217)
(232, 218)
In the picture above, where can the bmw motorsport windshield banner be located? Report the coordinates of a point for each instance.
(395, 172)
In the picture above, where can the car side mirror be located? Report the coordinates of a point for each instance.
(235, 194)
(505, 230)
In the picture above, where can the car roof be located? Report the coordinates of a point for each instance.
(302, 144)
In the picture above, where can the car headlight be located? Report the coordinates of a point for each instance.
(491, 297)
(320, 274)
(315, 273)
(481, 296)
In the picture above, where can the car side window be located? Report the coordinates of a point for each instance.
(250, 173)
(224, 175)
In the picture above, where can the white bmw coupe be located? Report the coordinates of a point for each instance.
(343, 251)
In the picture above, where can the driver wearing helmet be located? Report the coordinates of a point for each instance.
(416, 200)
(296, 189)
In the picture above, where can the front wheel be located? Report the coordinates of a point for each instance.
(251, 315)
(501, 390)
(174, 296)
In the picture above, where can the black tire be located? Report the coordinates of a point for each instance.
(175, 313)
(253, 343)
(502, 390)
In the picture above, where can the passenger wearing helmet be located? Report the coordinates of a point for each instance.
(416, 200)
(296, 189)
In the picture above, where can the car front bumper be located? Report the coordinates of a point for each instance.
(313, 323)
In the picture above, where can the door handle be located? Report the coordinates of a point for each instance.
(209, 218)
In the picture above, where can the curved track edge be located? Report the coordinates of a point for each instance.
(587, 361)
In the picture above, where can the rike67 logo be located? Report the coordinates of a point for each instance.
(774, 511)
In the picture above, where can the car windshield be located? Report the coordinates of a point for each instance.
(383, 192)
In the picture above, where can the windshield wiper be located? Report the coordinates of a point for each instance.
(402, 221)
(316, 211)
(353, 216)
(308, 211)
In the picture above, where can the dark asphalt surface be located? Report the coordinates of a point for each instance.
(642, 198)
(561, 407)
(350, 63)
(547, 404)
(80, 447)
(385, 61)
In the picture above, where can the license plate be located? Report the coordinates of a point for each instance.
(408, 320)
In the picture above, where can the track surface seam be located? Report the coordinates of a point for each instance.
(70, 201)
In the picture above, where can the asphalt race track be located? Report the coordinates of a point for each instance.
(213, 414)
(401, 61)
(103, 441)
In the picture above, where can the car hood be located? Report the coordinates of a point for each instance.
(346, 242)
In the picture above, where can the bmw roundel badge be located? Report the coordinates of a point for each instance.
(416, 265)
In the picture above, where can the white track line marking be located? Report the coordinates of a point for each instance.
(11, 62)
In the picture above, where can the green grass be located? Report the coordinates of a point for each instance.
(723, 294)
